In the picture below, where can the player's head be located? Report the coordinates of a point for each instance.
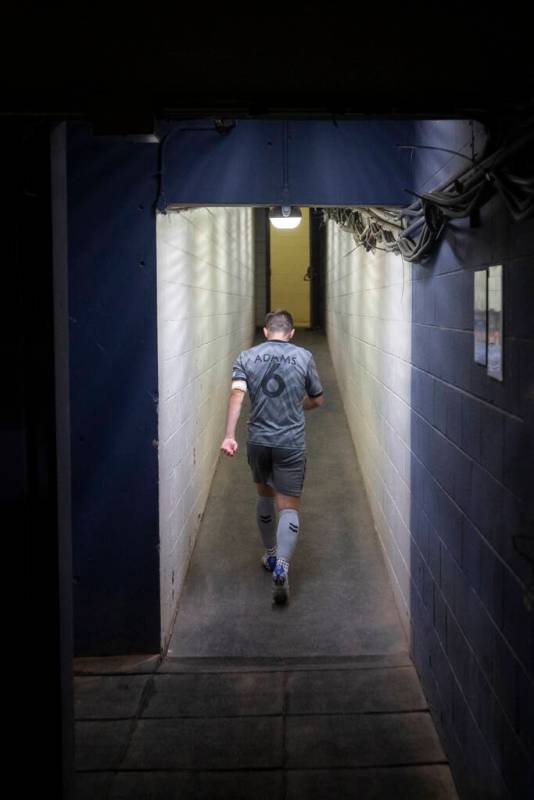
(279, 322)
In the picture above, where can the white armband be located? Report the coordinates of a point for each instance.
(239, 384)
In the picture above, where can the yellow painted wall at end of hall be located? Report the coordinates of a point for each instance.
(290, 259)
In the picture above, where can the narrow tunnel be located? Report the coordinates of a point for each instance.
(404, 659)
(342, 604)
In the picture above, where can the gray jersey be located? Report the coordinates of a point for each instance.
(278, 374)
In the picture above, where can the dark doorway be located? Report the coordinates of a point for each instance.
(317, 269)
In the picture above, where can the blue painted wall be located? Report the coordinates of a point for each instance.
(343, 163)
(472, 492)
(113, 361)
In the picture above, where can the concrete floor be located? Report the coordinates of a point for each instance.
(318, 699)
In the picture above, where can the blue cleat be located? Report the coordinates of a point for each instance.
(269, 562)
(280, 585)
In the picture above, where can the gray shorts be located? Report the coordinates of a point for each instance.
(282, 468)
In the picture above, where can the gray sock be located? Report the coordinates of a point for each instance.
(266, 518)
(287, 532)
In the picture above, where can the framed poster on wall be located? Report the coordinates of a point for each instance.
(495, 323)
(480, 314)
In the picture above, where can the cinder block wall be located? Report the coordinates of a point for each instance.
(446, 453)
(368, 324)
(205, 279)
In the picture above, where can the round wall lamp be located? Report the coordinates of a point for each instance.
(285, 217)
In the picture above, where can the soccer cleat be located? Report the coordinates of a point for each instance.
(269, 562)
(280, 585)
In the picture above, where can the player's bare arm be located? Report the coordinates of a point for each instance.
(235, 401)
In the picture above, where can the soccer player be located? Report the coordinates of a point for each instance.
(282, 381)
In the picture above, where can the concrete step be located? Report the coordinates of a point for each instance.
(148, 664)
(283, 663)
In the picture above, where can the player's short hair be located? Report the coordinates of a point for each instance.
(279, 320)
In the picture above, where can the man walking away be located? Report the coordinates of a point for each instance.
(282, 381)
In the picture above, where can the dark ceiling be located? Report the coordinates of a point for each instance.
(317, 63)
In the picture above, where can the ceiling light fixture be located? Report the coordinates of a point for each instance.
(285, 217)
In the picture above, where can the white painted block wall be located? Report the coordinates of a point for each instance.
(205, 275)
(368, 324)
